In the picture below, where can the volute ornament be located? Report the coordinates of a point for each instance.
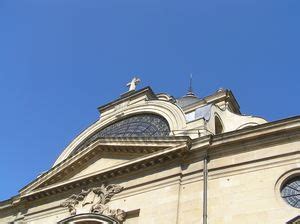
(94, 200)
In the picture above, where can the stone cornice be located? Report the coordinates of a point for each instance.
(148, 160)
(125, 145)
(255, 136)
(272, 131)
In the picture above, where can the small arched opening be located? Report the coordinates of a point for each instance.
(218, 125)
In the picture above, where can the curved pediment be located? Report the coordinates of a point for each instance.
(157, 118)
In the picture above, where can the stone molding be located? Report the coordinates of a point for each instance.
(89, 218)
(103, 175)
(137, 145)
(279, 127)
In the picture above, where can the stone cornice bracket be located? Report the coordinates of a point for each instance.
(94, 200)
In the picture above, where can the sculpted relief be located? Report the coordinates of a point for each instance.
(94, 200)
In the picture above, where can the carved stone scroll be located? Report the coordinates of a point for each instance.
(94, 200)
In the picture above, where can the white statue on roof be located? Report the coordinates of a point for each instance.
(134, 82)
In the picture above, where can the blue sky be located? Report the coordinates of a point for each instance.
(61, 59)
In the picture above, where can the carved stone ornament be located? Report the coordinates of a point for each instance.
(94, 200)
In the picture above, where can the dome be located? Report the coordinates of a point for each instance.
(187, 100)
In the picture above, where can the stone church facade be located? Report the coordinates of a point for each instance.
(154, 159)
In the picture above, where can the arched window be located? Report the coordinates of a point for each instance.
(89, 219)
(140, 125)
(218, 125)
(143, 125)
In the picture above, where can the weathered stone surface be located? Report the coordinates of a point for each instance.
(147, 180)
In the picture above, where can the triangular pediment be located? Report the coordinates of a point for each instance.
(104, 158)
(99, 162)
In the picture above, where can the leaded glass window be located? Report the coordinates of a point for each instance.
(290, 192)
(137, 126)
(142, 125)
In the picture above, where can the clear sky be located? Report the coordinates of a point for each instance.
(61, 59)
